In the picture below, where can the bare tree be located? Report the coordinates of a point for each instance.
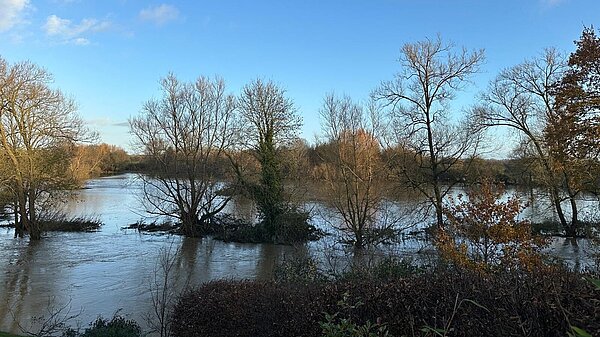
(183, 134)
(38, 125)
(53, 321)
(520, 98)
(353, 170)
(429, 142)
(269, 122)
(163, 290)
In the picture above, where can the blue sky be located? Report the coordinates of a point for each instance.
(109, 55)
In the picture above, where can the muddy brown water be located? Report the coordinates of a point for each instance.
(111, 270)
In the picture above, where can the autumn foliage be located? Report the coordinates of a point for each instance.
(484, 232)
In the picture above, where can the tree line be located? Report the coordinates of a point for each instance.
(407, 137)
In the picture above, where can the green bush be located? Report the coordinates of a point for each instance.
(388, 268)
(336, 325)
(298, 269)
(293, 228)
(117, 326)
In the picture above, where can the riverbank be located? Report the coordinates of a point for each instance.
(6, 334)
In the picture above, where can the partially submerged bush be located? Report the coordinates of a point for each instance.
(225, 227)
(74, 224)
(294, 228)
(502, 303)
(155, 226)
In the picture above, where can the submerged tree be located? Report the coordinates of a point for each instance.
(429, 142)
(183, 134)
(269, 121)
(38, 126)
(521, 98)
(353, 171)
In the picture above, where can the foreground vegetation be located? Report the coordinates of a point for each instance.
(440, 301)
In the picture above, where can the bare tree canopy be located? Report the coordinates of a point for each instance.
(521, 98)
(419, 97)
(183, 133)
(270, 116)
(354, 172)
(38, 124)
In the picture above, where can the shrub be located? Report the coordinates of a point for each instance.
(293, 228)
(117, 326)
(337, 326)
(484, 232)
(249, 308)
(501, 303)
(387, 268)
(61, 223)
(298, 269)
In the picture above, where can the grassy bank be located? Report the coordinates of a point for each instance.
(6, 334)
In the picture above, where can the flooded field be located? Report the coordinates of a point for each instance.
(109, 270)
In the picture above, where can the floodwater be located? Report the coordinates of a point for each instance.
(112, 269)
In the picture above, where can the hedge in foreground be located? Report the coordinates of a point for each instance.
(543, 303)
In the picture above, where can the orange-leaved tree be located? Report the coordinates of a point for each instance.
(484, 231)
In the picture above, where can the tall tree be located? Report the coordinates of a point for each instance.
(270, 121)
(353, 171)
(38, 124)
(520, 98)
(573, 131)
(183, 134)
(420, 96)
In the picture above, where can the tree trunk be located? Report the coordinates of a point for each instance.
(559, 211)
(189, 222)
(35, 230)
(435, 179)
(22, 201)
(571, 228)
(571, 231)
(359, 243)
(19, 231)
(439, 211)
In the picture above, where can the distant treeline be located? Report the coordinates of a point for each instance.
(303, 161)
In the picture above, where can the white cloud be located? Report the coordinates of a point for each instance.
(73, 33)
(159, 14)
(11, 13)
(81, 41)
(551, 3)
(59, 26)
(56, 26)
